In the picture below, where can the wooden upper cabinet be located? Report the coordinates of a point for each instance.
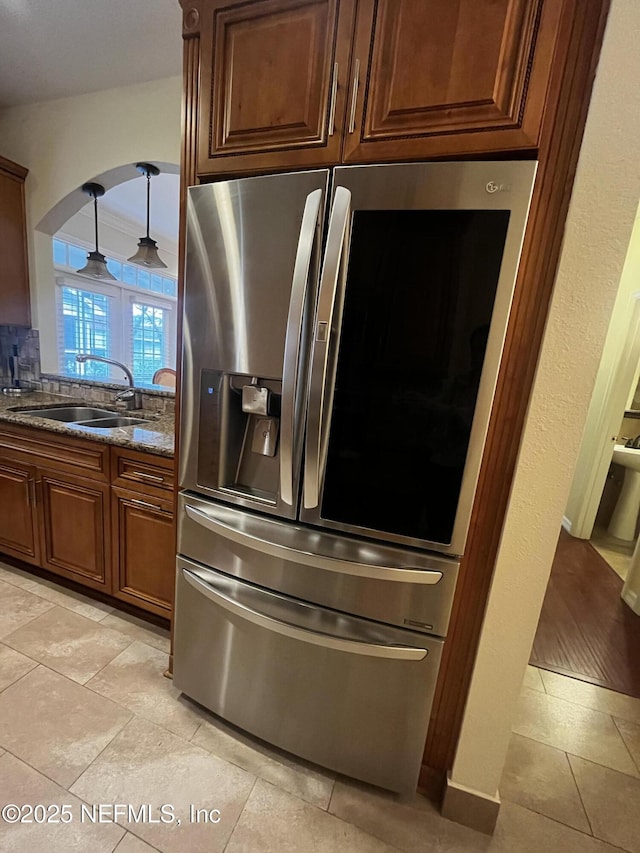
(288, 84)
(14, 271)
(448, 77)
(273, 77)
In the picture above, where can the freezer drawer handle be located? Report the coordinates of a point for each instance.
(296, 633)
(317, 561)
(292, 342)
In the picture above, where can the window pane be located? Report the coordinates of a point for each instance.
(128, 274)
(59, 253)
(149, 330)
(156, 283)
(85, 328)
(115, 268)
(143, 279)
(169, 286)
(77, 257)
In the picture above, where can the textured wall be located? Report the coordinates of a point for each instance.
(603, 208)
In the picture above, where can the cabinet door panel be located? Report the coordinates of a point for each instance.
(450, 76)
(18, 528)
(14, 273)
(267, 76)
(75, 523)
(144, 550)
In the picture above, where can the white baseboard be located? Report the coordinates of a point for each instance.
(566, 523)
(469, 807)
(631, 598)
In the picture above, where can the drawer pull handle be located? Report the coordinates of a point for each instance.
(332, 108)
(354, 97)
(259, 543)
(146, 504)
(151, 477)
(295, 632)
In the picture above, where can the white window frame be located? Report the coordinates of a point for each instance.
(121, 327)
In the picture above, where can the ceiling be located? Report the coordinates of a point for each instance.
(58, 48)
(128, 201)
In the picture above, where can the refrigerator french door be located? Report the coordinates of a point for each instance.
(342, 339)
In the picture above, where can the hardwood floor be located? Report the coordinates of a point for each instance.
(586, 631)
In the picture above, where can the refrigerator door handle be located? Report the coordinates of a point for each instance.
(295, 632)
(318, 561)
(293, 341)
(321, 338)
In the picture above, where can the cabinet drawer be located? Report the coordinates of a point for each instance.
(39, 447)
(141, 471)
(265, 661)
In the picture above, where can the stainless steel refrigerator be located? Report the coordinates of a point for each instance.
(342, 337)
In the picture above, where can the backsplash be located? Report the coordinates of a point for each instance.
(28, 343)
(162, 402)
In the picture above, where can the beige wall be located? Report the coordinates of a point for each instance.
(67, 142)
(604, 203)
(616, 379)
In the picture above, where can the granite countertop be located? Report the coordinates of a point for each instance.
(157, 436)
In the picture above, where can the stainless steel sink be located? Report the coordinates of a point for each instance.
(86, 416)
(111, 422)
(69, 414)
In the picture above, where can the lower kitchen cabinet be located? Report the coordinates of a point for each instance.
(18, 520)
(143, 550)
(98, 515)
(75, 527)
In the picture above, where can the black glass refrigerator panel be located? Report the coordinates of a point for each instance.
(419, 295)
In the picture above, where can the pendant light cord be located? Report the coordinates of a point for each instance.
(95, 216)
(148, 200)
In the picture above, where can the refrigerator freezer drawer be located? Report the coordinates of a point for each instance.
(389, 584)
(345, 693)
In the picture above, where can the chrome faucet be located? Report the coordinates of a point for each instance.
(131, 397)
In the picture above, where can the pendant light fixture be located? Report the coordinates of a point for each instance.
(96, 266)
(147, 254)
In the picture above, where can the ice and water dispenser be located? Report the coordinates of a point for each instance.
(239, 434)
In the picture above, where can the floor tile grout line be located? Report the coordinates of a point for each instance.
(622, 737)
(301, 771)
(576, 755)
(117, 704)
(89, 603)
(48, 778)
(577, 704)
(28, 657)
(82, 800)
(29, 621)
(607, 690)
(582, 802)
(138, 713)
(360, 828)
(108, 663)
(81, 683)
(120, 614)
(93, 760)
(240, 813)
(555, 820)
(60, 591)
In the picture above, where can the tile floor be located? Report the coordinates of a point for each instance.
(618, 553)
(86, 718)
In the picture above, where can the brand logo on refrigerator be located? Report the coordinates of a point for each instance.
(493, 187)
